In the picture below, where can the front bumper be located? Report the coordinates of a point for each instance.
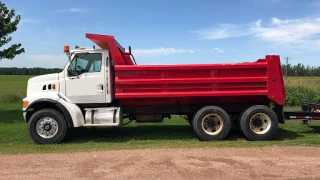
(25, 116)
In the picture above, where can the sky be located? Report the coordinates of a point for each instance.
(170, 32)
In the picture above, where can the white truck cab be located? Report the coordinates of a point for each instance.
(84, 80)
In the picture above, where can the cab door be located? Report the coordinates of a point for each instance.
(86, 81)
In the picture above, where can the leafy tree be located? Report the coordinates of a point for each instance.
(301, 70)
(28, 71)
(8, 24)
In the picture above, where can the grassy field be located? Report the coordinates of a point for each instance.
(13, 88)
(309, 82)
(14, 137)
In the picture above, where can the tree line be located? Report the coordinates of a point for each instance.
(27, 71)
(301, 70)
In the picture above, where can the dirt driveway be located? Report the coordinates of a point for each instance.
(199, 163)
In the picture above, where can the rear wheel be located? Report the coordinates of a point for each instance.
(211, 123)
(259, 123)
(47, 126)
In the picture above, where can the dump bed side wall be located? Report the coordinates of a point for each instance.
(208, 80)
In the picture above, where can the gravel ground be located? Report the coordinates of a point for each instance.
(194, 163)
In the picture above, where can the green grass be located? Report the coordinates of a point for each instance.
(170, 134)
(13, 88)
(302, 89)
(14, 137)
(308, 82)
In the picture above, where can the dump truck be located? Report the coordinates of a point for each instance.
(102, 87)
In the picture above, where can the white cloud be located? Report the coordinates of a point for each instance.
(24, 22)
(161, 51)
(48, 30)
(222, 31)
(29, 21)
(70, 10)
(218, 50)
(48, 60)
(46, 57)
(75, 10)
(37, 60)
(302, 33)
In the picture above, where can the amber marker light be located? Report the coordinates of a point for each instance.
(66, 49)
(25, 104)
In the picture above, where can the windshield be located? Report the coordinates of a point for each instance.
(86, 62)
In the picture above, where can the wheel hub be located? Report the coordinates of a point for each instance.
(260, 123)
(47, 127)
(212, 124)
(257, 122)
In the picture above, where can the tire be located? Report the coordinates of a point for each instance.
(239, 120)
(259, 123)
(211, 116)
(47, 126)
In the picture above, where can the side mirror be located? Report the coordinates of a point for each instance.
(70, 73)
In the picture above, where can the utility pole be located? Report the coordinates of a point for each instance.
(287, 61)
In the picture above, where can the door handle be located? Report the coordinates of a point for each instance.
(100, 87)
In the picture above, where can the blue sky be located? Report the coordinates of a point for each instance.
(170, 32)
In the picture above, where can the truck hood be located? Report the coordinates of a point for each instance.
(40, 84)
(43, 78)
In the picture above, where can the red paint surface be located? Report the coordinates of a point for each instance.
(250, 82)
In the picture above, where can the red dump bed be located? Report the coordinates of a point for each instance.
(258, 79)
(252, 82)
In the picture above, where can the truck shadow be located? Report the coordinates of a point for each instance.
(315, 129)
(11, 116)
(130, 133)
(154, 132)
(284, 134)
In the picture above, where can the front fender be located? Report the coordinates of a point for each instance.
(74, 111)
(71, 112)
(41, 97)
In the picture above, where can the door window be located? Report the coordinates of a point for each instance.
(85, 62)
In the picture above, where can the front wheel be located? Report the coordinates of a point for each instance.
(47, 126)
(259, 123)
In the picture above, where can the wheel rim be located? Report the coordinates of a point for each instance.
(212, 124)
(260, 123)
(47, 127)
